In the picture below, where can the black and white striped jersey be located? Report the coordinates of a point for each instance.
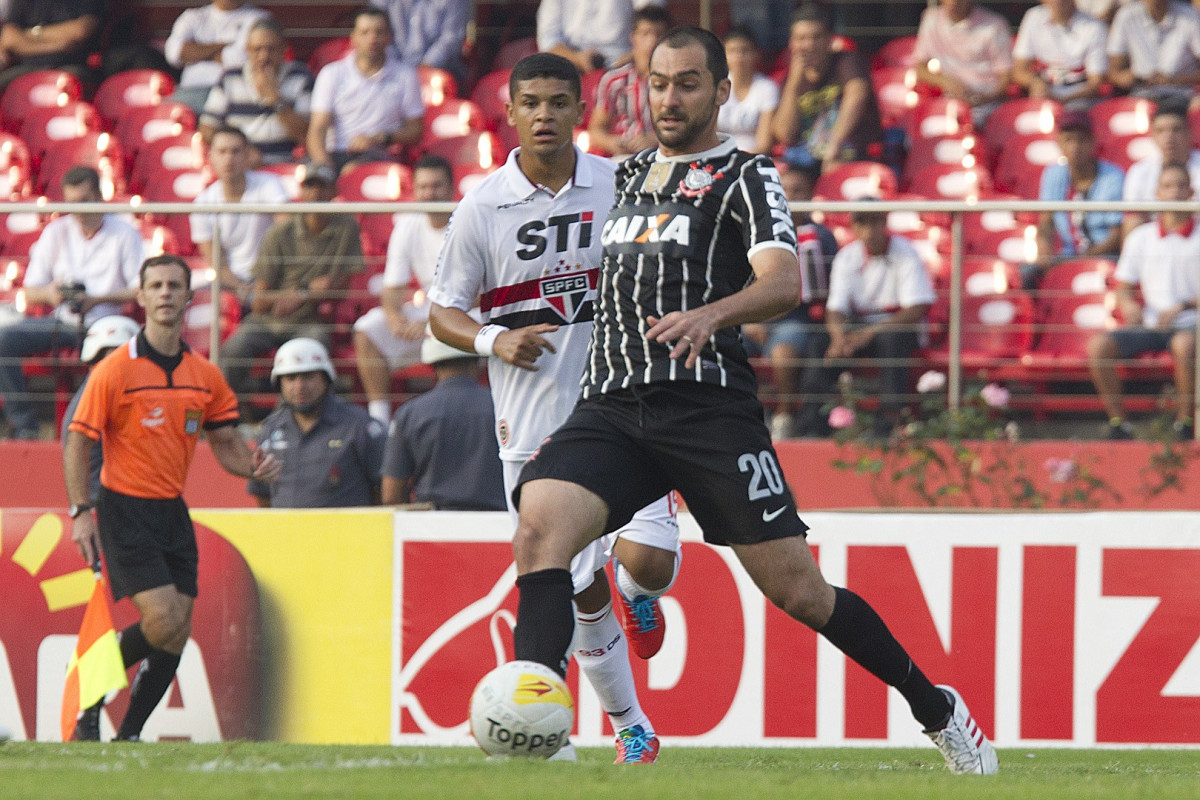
(681, 235)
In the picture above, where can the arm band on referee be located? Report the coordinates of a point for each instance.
(485, 340)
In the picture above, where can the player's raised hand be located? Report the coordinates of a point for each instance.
(522, 347)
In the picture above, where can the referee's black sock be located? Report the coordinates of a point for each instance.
(151, 683)
(134, 646)
(856, 630)
(545, 618)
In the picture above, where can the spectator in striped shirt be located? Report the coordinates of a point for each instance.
(620, 122)
(267, 98)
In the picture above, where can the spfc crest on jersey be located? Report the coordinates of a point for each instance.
(566, 294)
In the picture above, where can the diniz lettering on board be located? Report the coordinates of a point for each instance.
(1086, 643)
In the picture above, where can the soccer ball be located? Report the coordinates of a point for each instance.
(522, 709)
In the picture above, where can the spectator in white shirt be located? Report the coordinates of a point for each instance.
(388, 338)
(1170, 132)
(206, 41)
(86, 266)
(966, 52)
(1060, 53)
(366, 103)
(1158, 259)
(753, 97)
(1154, 49)
(238, 235)
(591, 34)
(879, 296)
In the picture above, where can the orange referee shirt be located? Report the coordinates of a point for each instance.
(150, 419)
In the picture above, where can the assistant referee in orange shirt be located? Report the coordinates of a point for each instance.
(149, 400)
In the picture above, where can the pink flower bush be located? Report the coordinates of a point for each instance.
(1061, 469)
(841, 417)
(995, 395)
(931, 381)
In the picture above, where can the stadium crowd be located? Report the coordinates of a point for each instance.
(1079, 101)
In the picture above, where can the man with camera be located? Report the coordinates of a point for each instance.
(84, 266)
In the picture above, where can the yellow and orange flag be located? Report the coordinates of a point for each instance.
(96, 666)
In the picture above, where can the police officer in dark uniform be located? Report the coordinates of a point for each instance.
(331, 450)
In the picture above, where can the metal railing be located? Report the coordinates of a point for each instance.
(956, 209)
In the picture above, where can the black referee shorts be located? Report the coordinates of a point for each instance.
(632, 446)
(147, 543)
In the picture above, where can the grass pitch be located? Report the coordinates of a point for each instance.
(230, 771)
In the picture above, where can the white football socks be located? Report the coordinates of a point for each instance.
(603, 655)
(631, 589)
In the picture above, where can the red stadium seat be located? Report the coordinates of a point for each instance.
(134, 88)
(1077, 276)
(997, 329)
(16, 168)
(455, 117)
(42, 89)
(375, 180)
(176, 186)
(491, 95)
(984, 275)
(962, 150)
(856, 180)
(895, 94)
(180, 151)
(18, 232)
(437, 85)
(589, 82)
(1022, 116)
(950, 182)
(101, 151)
(479, 149)
(1122, 129)
(896, 53)
(138, 127)
(44, 128)
(513, 51)
(467, 176)
(1066, 323)
(327, 52)
(940, 116)
(1022, 159)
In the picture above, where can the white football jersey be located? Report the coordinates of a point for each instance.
(530, 256)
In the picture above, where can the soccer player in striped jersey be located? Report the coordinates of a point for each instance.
(525, 244)
(700, 241)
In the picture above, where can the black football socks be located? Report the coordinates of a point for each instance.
(545, 618)
(149, 685)
(856, 630)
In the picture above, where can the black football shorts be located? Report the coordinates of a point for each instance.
(632, 446)
(147, 543)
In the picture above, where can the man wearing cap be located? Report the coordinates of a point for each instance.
(330, 450)
(303, 262)
(103, 336)
(440, 446)
(1083, 176)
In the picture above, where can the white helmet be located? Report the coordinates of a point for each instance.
(434, 351)
(110, 331)
(302, 355)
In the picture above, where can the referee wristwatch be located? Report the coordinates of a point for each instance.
(78, 509)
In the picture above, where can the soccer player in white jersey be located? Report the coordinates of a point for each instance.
(526, 243)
